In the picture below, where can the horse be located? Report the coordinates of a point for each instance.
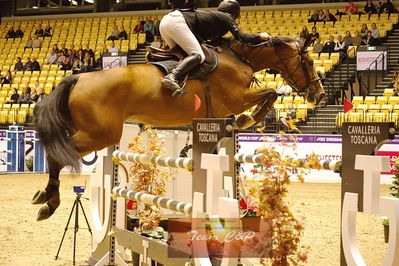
(86, 112)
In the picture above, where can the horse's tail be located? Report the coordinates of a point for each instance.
(54, 125)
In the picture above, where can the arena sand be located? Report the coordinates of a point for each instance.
(23, 241)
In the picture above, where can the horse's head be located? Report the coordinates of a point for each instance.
(296, 67)
(290, 58)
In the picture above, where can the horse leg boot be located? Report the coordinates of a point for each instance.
(170, 81)
(50, 195)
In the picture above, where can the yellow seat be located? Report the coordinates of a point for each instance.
(298, 100)
(386, 108)
(361, 108)
(379, 117)
(3, 116)
(381, 100)
(388, 93)
(354, 117)
(302, 111)
(341, 117)
(369, 100)
(357, 100)
(287, 99)
(21, 117)
(393, 117)
(373, 108)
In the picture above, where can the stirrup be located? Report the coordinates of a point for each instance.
(178, 93)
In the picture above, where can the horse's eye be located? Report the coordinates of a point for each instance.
(311, 62)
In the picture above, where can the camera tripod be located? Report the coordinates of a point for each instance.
(75, 208)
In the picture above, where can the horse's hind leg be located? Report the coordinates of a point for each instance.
(264, 100)
(51, 195)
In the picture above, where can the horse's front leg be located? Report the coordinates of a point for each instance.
(264, 100)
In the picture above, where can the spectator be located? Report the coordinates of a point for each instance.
(14, 96)
(351, 8)
(36, 43)
(318, 47)
(55, 49)
(113, 48)
(33, 95)
(156, 28)
(156, 43)
(40, 94)
(370, 40)
(80, 55)
(28, 65)
(348, 39)
(364, 31)
(87, 63)
(10, 33)
(114, 35)
(7, 79)
(357, 39)
(35, 65)
(139, 28)
(313, 35)
(89, 51)
(61, 58)
(29, 43)
(315, 16)
(77, 66)
(24, 97)
(329, 17)
(48, 31)
(284, 89)
(289, 120)
(19, 33)
(52, 58)
(37, 85)
(369, 8)
(99, 61)
(71, 55)
(64, 49)
(329, 45)
(304, 33)
(80, 49)
(321, 16)
(123, 34)
(395, 83)
(73, 48)
(18, 65)
(148, 30)
(387, 7)
(340, 47)
(375, 32)
(379, 8)
(39, 32)
(67, 65)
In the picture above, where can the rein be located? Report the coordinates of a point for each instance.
(302, 63)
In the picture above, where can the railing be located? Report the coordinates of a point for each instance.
(375, 73)
(112, 65)
(338, 71)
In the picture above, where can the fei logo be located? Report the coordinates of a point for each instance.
(371, 166)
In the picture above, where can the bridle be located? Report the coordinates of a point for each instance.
(301, 62)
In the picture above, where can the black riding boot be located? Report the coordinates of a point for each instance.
(170, 81)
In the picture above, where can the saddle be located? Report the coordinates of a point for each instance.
(167, 60)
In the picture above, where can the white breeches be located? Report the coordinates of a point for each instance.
(174, 30)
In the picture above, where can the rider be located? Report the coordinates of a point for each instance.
(188, 27)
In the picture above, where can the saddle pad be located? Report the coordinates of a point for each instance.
(208, 66)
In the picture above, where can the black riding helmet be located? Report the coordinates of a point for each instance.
(230, 6)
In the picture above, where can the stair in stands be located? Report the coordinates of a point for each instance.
(392, 41)
(137, 56)
(323, 121)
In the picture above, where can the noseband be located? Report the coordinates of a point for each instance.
(290, 78)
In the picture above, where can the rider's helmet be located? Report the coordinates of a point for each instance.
(230, 6)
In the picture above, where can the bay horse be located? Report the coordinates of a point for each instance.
(86, 112)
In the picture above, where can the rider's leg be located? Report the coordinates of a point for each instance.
(175, 30)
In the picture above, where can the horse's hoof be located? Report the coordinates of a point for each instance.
(244, 121)
(40, 197)
(44, 213)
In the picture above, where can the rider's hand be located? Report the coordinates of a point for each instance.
(265, 36)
